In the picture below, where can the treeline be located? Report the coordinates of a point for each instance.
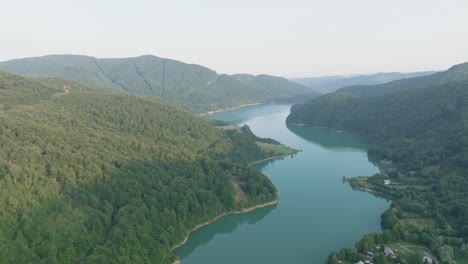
(424, 132)
(92, 177)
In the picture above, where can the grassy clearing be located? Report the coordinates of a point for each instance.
(362, 182)
(406, 249)
(276, 150)
(419, 222)
(403, 251)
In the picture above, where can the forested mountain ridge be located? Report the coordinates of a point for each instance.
(455, 73)
(411, 113)
(97, 177)
(332, 83)
(424, 132)
(193, 87)
(277, 85)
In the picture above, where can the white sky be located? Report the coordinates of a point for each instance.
(291, 38)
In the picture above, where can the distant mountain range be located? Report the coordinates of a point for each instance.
(193, 87)
(328, 84)
(358, 102)
(456, 73)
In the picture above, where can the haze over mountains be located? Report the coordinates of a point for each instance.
(455, 73)
(193, 87)
(366, 101)
(108, 175)
(328, 84)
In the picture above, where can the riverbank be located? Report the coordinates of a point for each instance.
(273, 158)
(270, 158)
(245, 210)
(372, 191)
(361, 183)
(228, 109)
(275, 150)
(302, 181)
(376, 185)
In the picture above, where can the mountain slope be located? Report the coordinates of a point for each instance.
(275, 85)
(411, 113)
(423, 131)
(332, 83)
(195, 88)
(97, 177)
(456, 73)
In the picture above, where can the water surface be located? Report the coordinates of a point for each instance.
(317, 212)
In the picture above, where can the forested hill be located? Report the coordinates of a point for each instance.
(424, 133)
(329, 84)
(96, 177)
(409, 114)
(456, 73)
(276, 85)
(193, 87)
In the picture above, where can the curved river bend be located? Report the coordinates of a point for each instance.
(316, 214)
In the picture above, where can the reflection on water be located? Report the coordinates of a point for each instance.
(382, 166)
(243, 114)
(263, 164)
(336, 141)
(328, 138)
(224, 225)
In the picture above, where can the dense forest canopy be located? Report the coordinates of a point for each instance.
(93, 177)
(193, 87)
(424, 132)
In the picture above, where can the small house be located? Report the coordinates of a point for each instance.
(388, 252)
(387, 182)
(427, 260)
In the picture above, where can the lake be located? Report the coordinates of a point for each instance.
(316, 214)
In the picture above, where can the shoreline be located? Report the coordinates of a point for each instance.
(366, 189)
(272, 158)
(371, 191)
(245, 210)
(228, 109)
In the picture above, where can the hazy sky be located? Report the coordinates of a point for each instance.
(292, 38)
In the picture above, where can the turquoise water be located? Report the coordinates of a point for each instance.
(316, 214)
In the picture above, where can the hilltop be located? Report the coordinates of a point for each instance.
(193, 87)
